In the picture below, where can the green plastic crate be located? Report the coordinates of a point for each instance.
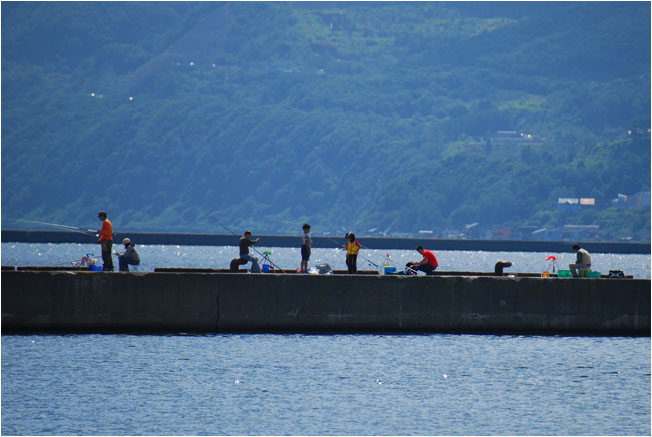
(564, 274)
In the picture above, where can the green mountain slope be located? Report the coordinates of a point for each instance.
(347, 115)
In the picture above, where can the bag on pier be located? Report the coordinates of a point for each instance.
(616, 274)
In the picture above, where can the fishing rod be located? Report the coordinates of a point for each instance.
(407, 267)
(66, 228)
(254, 249)
(56, 225)
(367, 259)
(377, 266)
(388, 257)
(73, 263)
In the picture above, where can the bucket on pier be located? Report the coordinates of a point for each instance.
(389, 270)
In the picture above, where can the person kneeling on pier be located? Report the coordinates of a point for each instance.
(129, 257)
(245, 242)
(429, 262)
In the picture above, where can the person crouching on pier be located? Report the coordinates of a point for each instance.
(106, 240)
(129, 257)
(429, 262)
(245, 242)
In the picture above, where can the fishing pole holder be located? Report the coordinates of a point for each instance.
(551, 268)
(268, 265)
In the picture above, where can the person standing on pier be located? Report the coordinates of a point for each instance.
(306, 244)
(352, 249)
(106, 240)
(429, 262)
(245, 242)
(583, 261)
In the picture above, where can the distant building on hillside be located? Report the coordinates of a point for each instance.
(547, 234)
(502, 234)
(573, 203)
(567, 204)
(637, 200)
(508, 137)
(639, 133)
(523, 232)
(580, 232)
(471, 232)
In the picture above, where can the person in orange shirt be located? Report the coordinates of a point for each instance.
(106, 240)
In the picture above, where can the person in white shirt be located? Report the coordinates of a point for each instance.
(583, 261)
(306, 244)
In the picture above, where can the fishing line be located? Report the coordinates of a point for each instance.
(406, 267)
(252, 247)
(367, 259)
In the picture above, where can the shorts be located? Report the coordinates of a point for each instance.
(305, 255)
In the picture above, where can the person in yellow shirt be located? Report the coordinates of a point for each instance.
(106, 240)
(352, 249)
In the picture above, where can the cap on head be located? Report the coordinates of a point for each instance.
(126, 241)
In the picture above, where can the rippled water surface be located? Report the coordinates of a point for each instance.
(341, 384)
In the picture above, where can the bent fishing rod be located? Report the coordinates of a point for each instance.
(255, 250)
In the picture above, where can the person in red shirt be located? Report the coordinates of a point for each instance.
(106, 240)
(429, 262)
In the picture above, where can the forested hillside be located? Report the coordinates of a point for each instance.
(351, 116)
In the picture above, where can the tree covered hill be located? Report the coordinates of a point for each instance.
(347, 115)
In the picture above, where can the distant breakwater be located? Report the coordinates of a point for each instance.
(33, 236)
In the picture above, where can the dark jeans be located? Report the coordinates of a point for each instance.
(352, 263)
(107, 260)
(427, 268)
(123, 264)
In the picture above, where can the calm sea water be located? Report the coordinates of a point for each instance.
(329, 385)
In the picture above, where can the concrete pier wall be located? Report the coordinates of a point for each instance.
(222, 302)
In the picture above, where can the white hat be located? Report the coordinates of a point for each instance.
(126, 241)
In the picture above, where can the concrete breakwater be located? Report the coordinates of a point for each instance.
(48, 301)
(26, 236)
